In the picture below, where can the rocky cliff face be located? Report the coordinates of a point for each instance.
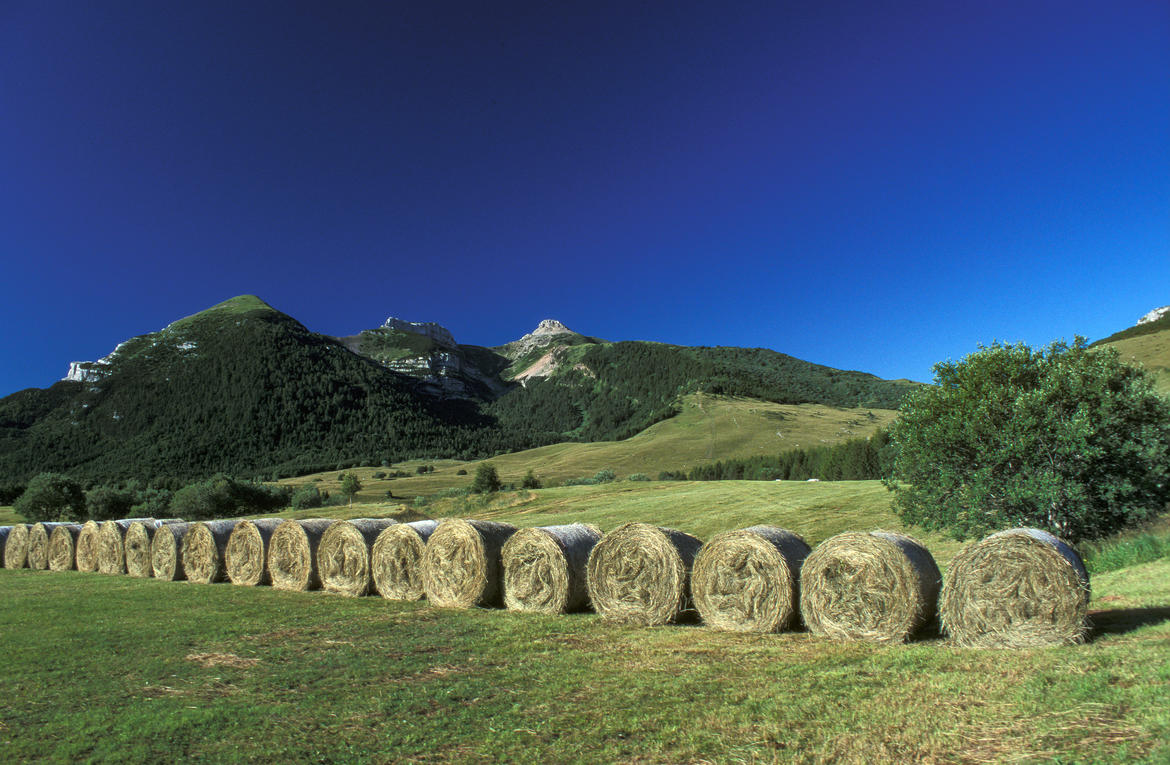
(436, 332)
(545, 334)
(1154, 315)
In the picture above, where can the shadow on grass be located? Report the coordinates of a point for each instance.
(1122, 620)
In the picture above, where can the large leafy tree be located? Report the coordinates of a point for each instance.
(1064, 438)
(51, 497)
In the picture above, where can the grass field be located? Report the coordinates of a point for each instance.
(112, 668)
(708, 428)
(1153, 352)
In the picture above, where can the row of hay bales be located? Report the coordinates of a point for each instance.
(1020, 587)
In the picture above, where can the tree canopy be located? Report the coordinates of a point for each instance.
(1065, 438)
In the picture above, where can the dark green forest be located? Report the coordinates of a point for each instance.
(244, 389)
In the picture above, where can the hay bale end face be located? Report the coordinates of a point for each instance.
(544, 568)
(396, 560)
(461, 564)
(292, 554)
(343, 555)
(640, 574)
(203, 551)
(137, 546)
(16, 547)
(38, 544)
(878, 586)
(246, 556)
(748, 580)
(166, 551)
(111, 546)
(63, 547)
(86, 554)
(1016, 589)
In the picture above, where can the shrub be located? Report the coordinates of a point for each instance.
(638, 477)
(308, 496)
(486, 481)
(605, 475)
(51, 497)
(104, 503)
(530, 480)
(1064, 439)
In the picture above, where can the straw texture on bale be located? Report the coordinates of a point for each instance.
(38, 545)
(544, 568)
(461, 564)
(203, 551)
(1016, 589)
(139, 536)
(878, 586)
(166, 551)
(111, 550)
(86, 553)
(63, 547)
(749, 580)
(246, 556)
(292, 554)
(16, 547)
(396, 559)
(640, 574)
(344, 554)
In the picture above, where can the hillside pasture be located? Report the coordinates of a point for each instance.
(707, 429)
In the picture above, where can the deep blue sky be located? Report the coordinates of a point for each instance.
(873, 186)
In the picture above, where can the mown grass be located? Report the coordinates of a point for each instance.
(707, 429)
(1151, 351)
(112, 668)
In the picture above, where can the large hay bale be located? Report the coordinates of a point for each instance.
(544, 568)
(86, 552)
(16, 547)
(3, 541)
(396, 559)
(63, 547)
(344, 554)
(461, 564)
(749, 580)
(246, 556)
(292, 554)
(1016, 589)
(876, 586)
(138, 540)
(166, 551)
(203, 551)
(38, 544)
(640, 574)
(111, 550)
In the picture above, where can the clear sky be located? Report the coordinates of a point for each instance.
(868, 185)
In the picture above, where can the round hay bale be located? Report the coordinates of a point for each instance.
(38, 544)
(16, 547)
(3, 541)
(246, 556)
(876, 586)
(111, 549)
(138, 540)
(1016, 589)
(166, 551)
(203, 551)
(85, 554)
(461, 564)
(640, 574)
(749, 580)
(344, 554)
(292, 554)
(544, 568)
(396, 559)
(63, 547)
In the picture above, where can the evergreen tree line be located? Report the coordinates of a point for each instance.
(859, 459)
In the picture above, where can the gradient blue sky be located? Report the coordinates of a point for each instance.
(868, 185)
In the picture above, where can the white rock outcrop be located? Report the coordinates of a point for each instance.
(1154, 315)
(436, 332)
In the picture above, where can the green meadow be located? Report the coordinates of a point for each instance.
(109, 668)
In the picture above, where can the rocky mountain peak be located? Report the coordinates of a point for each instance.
(436, 332)
(1153, 315)
(549, 327)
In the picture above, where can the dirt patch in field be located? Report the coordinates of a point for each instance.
(221, 660)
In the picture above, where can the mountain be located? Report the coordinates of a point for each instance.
(1147, 343)
(246, 389)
